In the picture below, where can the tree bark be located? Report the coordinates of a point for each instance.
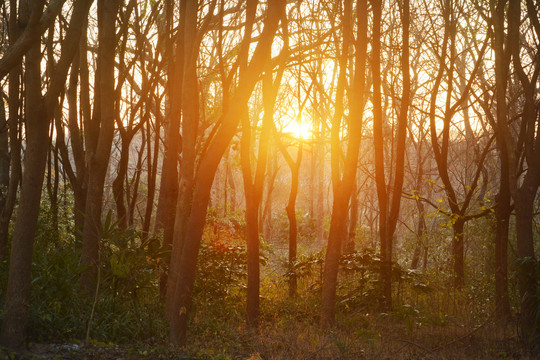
(17, 304)
(99, 161)
(254, 187)
(152, 173)
(420, 205)
(524, 191)
(188, 251)
(389, 201)
(189, 130)
(118, 183)
(38, 115)
(458, 252)
(168, 189)
(4, 174)
(350, 245)
(503, 209)
(502, 215)
(343, 184)
(14, 104)
(293, 230)
(524, 205)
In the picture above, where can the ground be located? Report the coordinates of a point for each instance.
(383, 341)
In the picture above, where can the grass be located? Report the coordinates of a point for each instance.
(289, 331)
(427, 321)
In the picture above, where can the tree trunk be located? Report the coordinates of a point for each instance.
(133, 186)
(503, 209)
(14, 103)
(77, 179)
(350, 246)
(152, 173)
(189, 130)
(343, 184)
(38, 114)
(168, 189)
(4, 173)
(502, 214)
(458, 252)
(254, 187)
(17, 305)
(253, 268)
(99, 161)
(16, 308)
(188, 251)
(419, 204)
(293, 231)
(118, 183)
(524, 205)
(420, 232)
(338, 228)
(267, 212)
(389, 201)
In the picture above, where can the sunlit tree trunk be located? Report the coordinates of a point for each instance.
(350, 245)
(294, 166)
(253, 189)
(291, 215)
(188, 251)
(267, 212)
(343, 184)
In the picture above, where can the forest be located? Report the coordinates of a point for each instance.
(269, 179)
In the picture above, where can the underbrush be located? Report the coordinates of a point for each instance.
(427, 320)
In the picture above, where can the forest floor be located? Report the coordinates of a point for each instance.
(386, 340)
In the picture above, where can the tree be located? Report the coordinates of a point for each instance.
(343, 180)
(104, 118)
(13, 124)
(253, 188)
(168, 189)
(39, 111)
(294, 166)
(389, 201)
(458, 213)
(185, 249)
(523, 155)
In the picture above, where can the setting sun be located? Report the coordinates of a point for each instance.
(299, 130)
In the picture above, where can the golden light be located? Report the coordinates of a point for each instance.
(299, 130)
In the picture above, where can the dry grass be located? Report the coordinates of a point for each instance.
(373, 337)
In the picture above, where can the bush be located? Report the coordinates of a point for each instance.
(127, 307)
